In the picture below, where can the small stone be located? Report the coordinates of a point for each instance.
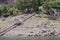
(37, 25)
(31, 32)
(43, 31)
(20, 34)
(52, 33)
(30, 35)
(35, 35)
(51, 25)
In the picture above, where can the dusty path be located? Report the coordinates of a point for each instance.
(12, 21)
(34, 26)
(25, 29)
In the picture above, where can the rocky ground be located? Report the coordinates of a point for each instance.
(34, 26)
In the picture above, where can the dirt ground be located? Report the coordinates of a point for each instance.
(34, 26)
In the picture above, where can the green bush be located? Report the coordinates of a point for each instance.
(15, 12)
(0, 12)
(10, 10)
(4, 9)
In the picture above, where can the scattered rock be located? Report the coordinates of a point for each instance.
(36, 35)
(20, 34)
(38, 26)
(44, 31)
(51, 25)
(17, 22)
(30, 35)
(31, 32)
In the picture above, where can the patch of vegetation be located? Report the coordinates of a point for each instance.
(8, 11)
(30, 5)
